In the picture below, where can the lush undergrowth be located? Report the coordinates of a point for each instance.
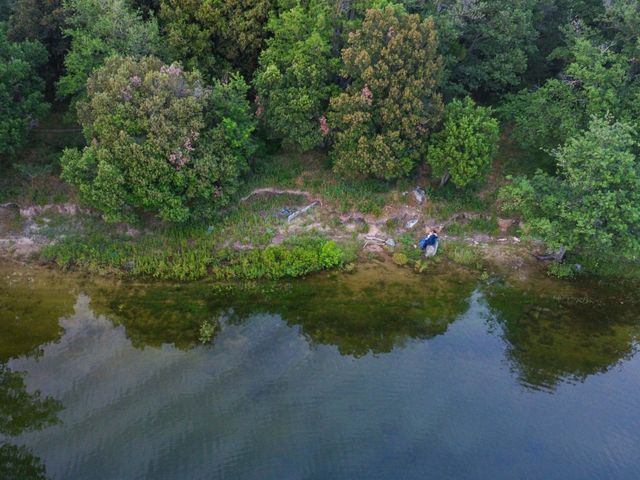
(192, 253)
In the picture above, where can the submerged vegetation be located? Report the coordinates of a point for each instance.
(174, 112)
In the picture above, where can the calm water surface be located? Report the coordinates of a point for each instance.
(372, 375)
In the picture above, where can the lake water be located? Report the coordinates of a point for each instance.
(379, 374)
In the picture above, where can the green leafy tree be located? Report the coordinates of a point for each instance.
(621, 23)
(545, 117)
(294, 81)
(598, 80)
(551, 18)
(21, 89)
(464, 148)
(42, 20)
(98, 29)
(147, 7)
(381, 123)
(215, 35)
(486, 44)
(159, 140)
(593, 205)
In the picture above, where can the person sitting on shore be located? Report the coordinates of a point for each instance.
(429, 244)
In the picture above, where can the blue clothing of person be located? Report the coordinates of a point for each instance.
(429, 240)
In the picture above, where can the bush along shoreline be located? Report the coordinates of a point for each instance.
(295, 258)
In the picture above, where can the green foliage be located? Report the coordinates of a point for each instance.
(400, 258)
(545, 117)
(551, 18)
(483, 224)
(42, 20)
(462, 253)
(561, 270)
(207, 330)
(382, 122)
(486, 44)
(466, 145)
(215, 35)
(294, 79)
(593, 206)
(622, 24)
(160, 141)
(21, 90)
(5, 9)
(600, 79)
(276, 261)
(99, 29)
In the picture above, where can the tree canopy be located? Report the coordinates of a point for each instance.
(296, 76)
(159, 140)
(381, 122)
(464, 148)
(593, 204)
(99, 29)
(44, 21)
(214, 35)
(22, 100)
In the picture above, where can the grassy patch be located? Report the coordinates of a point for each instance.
(236, 245)
(461, 253)
(480, 224)
(311, 172)
(447, 200)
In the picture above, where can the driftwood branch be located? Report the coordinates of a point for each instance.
(301, 211)
(277, 191)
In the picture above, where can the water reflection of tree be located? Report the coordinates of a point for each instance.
(20, 412)
(155, 314)
(30, 308)
(557, 340)
(17, 462)
(364, 315)
(357, 313)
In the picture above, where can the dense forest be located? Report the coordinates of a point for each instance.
(180, 101)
